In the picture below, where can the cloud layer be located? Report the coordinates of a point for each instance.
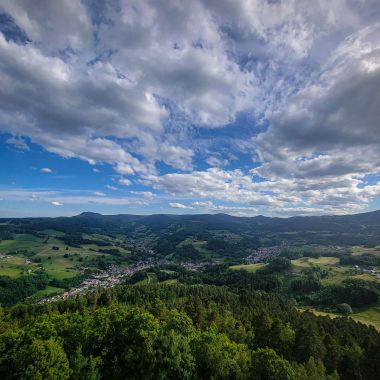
(253, 106)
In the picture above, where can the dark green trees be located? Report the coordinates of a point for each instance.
(182, 332)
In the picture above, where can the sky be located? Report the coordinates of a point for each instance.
(243, 107)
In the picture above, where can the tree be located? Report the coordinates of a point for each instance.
(173, 356)
(219, 358)
(344, 308)
(84, 368)
(267, 365)
(279, 264)
(313, 369)
(43, 360)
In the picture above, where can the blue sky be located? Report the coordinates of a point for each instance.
(244, 107)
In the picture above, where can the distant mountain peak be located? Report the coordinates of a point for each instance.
(87, 214)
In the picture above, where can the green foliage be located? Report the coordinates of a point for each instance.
(267, 365)
(220, 358)
(84, 368)
(344, 308)
(362, 260)
(353, 292)
(182, 332)
(187, 252)
(305, 285)
(42, 360)
(13, 290)
(279, 264)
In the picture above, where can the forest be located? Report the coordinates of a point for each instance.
(166, 331)
(184, 301)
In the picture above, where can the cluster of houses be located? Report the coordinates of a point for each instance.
(114, 275)
(4, 256)
(138, 246)
(109, 278)
(263, 254)
(368, 270)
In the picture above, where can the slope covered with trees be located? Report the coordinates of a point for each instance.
(182, 331)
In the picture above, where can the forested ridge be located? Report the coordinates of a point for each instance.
(178, 331)
(188, 308)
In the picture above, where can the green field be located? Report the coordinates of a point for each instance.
(20, 242)
(359, 250)
(14, 266)
(27, 252)
(369, 315)
(305, 262)
(336, 273)
(47, 291)
(248, 267)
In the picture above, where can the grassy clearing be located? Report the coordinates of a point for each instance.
(11, 272)
(61, 274)
(167, 271)
(366, 277)
(170, 282)
(320, 312)
(20, 242)
(359, 250)
(306, 262)
(369, 315)
(14, 266)
(52, 260)
(336, 273)
(47, 291)
(248, 267)
(336, 276)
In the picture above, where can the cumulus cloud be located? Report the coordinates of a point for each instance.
(184, 62)
(279, 196)
(46, 170)
(327, 136)
(70, 197)
(18, 142)
(145, 194)
(203, 204)
(72, 25)
(124, 182)
(56, 203)
(178, 205)
(283, 92)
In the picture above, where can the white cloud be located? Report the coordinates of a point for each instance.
(206, 204)
(327, 136)
(216, 162)
(145, 194)
(125, 182)
(70, 197)
(138, 90)
(46, 170)
(342, 194)
(110, 187)
(54, 25)
(56, 203)
(99, 194)
(178, 205)
(17, 142)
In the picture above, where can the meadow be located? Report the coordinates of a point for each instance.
(334, 274)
